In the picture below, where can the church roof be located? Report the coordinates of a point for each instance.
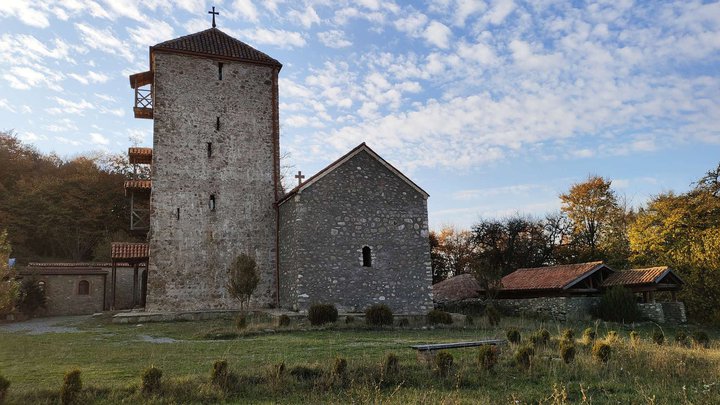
(332, 166)
(213, 42)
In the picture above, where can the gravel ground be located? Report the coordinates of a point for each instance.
(39, 326)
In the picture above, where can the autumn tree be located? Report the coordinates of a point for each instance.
(683, 231)
(593, 210)
(454, 251)
(437, 261)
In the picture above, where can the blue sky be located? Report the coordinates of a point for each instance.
(493, 107)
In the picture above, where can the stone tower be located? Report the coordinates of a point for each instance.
(215, 168)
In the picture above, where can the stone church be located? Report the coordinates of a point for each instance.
(354, 234)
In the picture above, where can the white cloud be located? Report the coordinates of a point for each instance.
(103, 40)
(28, 136)
(438, 34)
(151, 32)
(98, 139)
(333, 39)
(69, 107)
(62, 125)
(525, 58)
(21, 49)
(27, 12)
(67, 141)
(275, 37)
(499, 11)
(412, 24)
(137, 136)
(246, 10)
(306, 18)
(90, 77)
(27, 77)
(5, 105)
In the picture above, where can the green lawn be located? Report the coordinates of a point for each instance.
(112, 357)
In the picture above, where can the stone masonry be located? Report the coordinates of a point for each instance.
(324, 228)
(191, 244)
(557, 308)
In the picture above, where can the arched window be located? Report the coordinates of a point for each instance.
(367, 256)
(84, 287)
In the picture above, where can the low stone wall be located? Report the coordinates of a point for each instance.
(556, 308)
(663, 312)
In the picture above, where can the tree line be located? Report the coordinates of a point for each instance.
(62, 209)
(677, 230)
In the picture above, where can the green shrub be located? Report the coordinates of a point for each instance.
(72, 385)
(588, 336)
(151, 379)
(567, 335)
(567, 351)
(340, 367)
(469, 321)
(541, 337)
(493, 315)
(349, 319)
(4, 386)
(404, 323)
(379, 315)
(220, 373)
(487, 357)
(701, 338)
(681, 338)
(658, 337)
(31, 297)
(391, 364)
(601, 351)
(241, 322)
(524, 355)
(634, 337)
(513, 336)
(443, 362)
(284, 320)
(320, 314)
(437, 316)
(618, 304)
(305, 372)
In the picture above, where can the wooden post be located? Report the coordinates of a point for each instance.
(652, 296)
(112, 281)
(135, 284)
(645, 297)
(674, 295)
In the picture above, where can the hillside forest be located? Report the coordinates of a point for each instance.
(56, 209)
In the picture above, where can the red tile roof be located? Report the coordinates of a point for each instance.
(456, 288)
(70, 264)
(213, 42)
(138, 185)
(649, 275)
(140, 155)
(548, 278)
(127, 250)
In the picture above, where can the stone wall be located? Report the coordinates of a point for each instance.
(557, 308)
(63, 298)
(324, 228)
(192, 245)
(663, 312)
(124, 281)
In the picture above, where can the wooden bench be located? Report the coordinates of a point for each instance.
(427, 352)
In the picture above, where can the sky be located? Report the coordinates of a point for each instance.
(493, 107)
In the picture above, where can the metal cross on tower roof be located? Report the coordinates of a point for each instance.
(214, 13)
(300, 177)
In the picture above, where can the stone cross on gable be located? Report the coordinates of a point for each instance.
(214, 13)
(300, 177)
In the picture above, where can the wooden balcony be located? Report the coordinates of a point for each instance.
(140, 156)
(142, 83)
(139, 192)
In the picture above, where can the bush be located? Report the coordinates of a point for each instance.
(469, 321)
(284, 321)
(349, 319)
(541, 337)
(701, 338)
(219, 375)
(588, 336)
(618, 305)
(487, 357)
(151, 380)
(658, 337)
(392, 364)
(681, 338)
(320, 314)
(404, 323)
(72, 385)
(513, 336)
(612, 336)
(340, 367)
(567, 351)
(31, 297)
(305, 372)
(243, 279)
(437, 316)
(634, 337)
(524, 355)
(601, 351)
(443, 362)
(4, 386)
(568, 335)
(378, 315)
(493, 315)
(241, 322)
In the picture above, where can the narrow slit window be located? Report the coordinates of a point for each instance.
(220, 66)
(178, 214)
(367, 256)
(209, 149)
(217, 123)
(211, 203)
(84, 287)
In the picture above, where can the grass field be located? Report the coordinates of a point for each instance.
(112, 357)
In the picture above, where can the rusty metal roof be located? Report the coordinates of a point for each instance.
(651, 275)
(33, 265)
(213, 42)
(129, 250)
(550, 277)
(456, 288)
(140, 155)
(138, 185)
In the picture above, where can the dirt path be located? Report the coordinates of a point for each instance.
(39, 326)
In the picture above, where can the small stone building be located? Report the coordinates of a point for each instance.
(356, 234)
